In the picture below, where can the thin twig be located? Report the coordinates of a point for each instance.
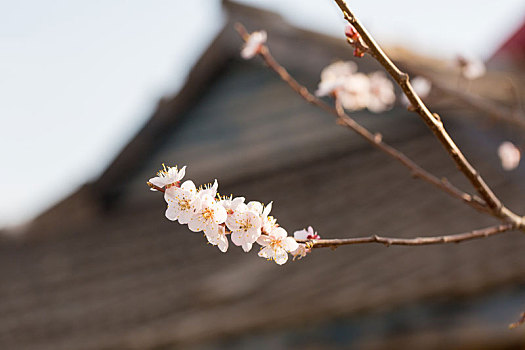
(388, 241)
(373, 139)
(434, 123)
(483, 105)
(152, 186)
(519, 322)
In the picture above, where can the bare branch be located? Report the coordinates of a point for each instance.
(519, 322)
(388, 241)
(434, 122)
(478, 103)
(373, 139)
(152, 186)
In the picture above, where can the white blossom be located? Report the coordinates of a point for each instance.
(245, 227)
(355, 94)
(276, 245)
(333, 77)
(231, 206)
(421, 86)
(208, 217)
(209, 190)
(182, 202)
(509, 155)
(382, 96)
(268, 222)
(169, 176)
(305, 234)
(253, 44)
(471, 68)
(301, 251)
(218, 238)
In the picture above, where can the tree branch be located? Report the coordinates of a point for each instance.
(388, 241)
(373, 139)
(478, 103)
(434, 122)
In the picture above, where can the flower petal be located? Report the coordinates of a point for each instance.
(280, 256)
(171, 213)
(264, 240)
(289, 244)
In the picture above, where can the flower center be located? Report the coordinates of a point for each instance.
(245, 225)
(207, 214)
(275, 243)
(184, 204)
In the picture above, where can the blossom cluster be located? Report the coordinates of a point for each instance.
(204, 210)
(509, 155)
(356, 90)
(470, 68)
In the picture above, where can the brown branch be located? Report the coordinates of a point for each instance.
(373, 139)
(519, 322)
(434, 123)
(160, 189)
(478, 103)
(388, 241)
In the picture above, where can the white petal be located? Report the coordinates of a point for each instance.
(421, 85)
(236, 202)
(279, 232)
(220, 214)
(302, 234)
(181, 173)
(223, 243)
(509, 155)
(211, 228)
(237, 238)
(185, 216)
(158, 181)
(289, 244)
(195, 224)
(264, 240)
(300, 252)
(280, 256)
(212, 236)
(256, 207)
(171, 213)
(189, 186)
(266, 253)
(267, 209)
(247, 246)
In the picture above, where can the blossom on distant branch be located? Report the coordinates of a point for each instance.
(470, 68)
(421, 86)
(334, 77)
(355, 91)
(253, 44)
(203, 209)
(509, 155)
(382, 96)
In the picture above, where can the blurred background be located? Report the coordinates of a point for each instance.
(95, 96)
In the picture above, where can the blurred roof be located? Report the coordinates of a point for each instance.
(513, 49)
(105, 269)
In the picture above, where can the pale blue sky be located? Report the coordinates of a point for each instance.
(78, 78)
